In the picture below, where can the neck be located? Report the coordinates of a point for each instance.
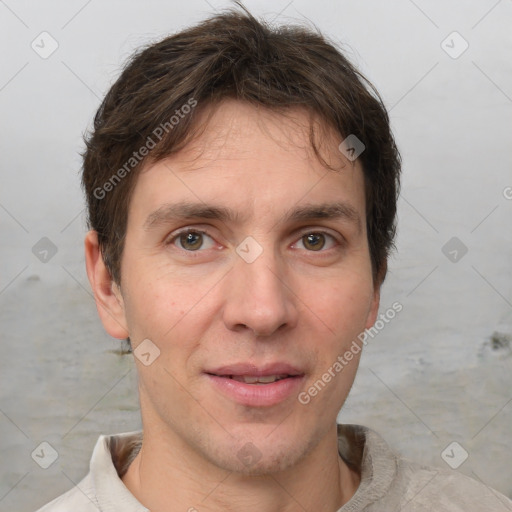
(167, 476)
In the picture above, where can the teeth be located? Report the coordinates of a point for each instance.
(247, 380)
(258, 380)
(266, 380)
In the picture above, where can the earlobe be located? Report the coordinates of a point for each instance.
(109, 301)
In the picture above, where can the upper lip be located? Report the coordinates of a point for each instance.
(254, 370)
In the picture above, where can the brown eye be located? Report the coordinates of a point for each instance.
(192, 240)
(314, 241)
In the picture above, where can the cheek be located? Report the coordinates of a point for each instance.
(172, 314)
(337, 349)
(151, 309)
(343, 308)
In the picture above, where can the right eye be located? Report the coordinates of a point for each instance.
(190, 240)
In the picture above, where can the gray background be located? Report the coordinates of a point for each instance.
(430, 377)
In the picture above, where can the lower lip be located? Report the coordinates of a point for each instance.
(257, 395)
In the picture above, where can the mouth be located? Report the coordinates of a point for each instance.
(252, 379)
(256, 386)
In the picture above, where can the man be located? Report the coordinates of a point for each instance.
(241, 184)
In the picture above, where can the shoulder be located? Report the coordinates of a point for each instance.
(78, 499)
(391, 482)
(424, 488)
(102, 488)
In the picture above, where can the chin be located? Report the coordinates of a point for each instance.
(268, 462)
(263, 456)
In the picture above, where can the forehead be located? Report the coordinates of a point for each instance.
(253, 157)
(234, 128)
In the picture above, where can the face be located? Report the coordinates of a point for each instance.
(253, 299)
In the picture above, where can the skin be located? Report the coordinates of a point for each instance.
(299, 302)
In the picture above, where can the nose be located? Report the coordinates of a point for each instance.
(258, 297)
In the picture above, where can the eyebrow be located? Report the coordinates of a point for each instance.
(188, 211)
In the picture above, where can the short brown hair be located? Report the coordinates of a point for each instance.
(232, 55)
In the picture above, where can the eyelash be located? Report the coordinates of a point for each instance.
(176, 236)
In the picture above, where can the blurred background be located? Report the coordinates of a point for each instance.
(439, 373)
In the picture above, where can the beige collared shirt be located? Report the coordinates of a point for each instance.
(388, 483)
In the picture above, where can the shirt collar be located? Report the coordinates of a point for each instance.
(360, 447)
(111, 493)
(367, 451)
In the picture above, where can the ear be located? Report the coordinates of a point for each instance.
(375, 301)
(109, 301)
(374, 307)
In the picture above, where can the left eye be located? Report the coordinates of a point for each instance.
(315, 241)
